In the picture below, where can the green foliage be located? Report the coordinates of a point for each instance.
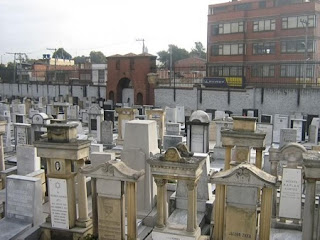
(62, 54)
(79, 60)
(97, 57)
(198, 51)
(179, 54)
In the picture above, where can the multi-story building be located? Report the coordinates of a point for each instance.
(264, 42)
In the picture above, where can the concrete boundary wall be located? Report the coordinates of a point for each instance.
(267, 100)
(39, 90)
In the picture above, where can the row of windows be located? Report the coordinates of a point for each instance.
(225, 28)
(264, 25)
(227, 49)
(263, 48)
(248, 6)
(286, 70)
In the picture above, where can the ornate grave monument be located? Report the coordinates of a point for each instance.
(176, 165)
(110, 181)
(64, 153)
(124, 115)
(239, 202)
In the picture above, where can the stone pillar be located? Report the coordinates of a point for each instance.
(2, 166)
(94, 207)
(82, 197)
(132, 210)
(259, 158)
(219, 212)
(266, 212)
(309, 208)
(192, 206)
(161, 202)
(227, 158)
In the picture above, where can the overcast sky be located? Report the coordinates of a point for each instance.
(109, 26)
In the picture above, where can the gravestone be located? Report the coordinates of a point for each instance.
(266, 118)
(290, 197)
(22, 133)
(98, 158)
(171, 115)
(95, 119)
(107, 134)
(287, 135)
(109, 115)
(180, 114)
(219, 115)
(198, 132)
(314, 131)
(267, 128)
(173, 128)
(243, 184)
(27, 159)
(171, 141)
(300, 125)
(212, 111)
(73, 112)
(279, 122)
(24, 200)
(140, 143)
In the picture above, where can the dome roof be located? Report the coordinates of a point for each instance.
(199, 116)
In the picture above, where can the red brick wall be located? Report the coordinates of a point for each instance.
(138, 75)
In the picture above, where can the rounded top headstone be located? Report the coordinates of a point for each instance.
(199, 115)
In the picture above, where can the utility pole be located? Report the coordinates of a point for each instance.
(55, 62)
(170, 50)
(14, 64)
(141, 40)
(306, 24)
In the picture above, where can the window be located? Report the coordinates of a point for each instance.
(297, 46)
(262, 4)
(262, 71)
(296, 70)
(226, 71)
(226, 28)
(118, 65)
(243, 6)
(101, 74)
(263, 48)
(227, 49)
(264, 25)
(297, 21)
(131, 64)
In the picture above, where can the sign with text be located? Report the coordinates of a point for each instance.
(290, 198)
(58, 203)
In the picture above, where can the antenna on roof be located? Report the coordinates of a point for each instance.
(144, 49)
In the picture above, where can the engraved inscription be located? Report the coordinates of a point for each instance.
(59, 203)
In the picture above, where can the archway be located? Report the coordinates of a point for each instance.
(139, 99)
(124, 91)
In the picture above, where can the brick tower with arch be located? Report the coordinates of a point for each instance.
(131, 71)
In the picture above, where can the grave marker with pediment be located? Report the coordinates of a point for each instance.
(243, 184)
(108, 200)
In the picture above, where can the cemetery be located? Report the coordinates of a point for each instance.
(95, 169)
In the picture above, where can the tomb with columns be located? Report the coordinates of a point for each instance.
(111, 181)
(64, 155)
(176, 165)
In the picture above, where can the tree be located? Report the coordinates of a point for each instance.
(198, 51)
(177, 54)
(61, 53)
(97, 57)
(79, 60)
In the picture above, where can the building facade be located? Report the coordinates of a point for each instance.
(264, 42)
(128, 78)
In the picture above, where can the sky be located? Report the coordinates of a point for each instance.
(109, 26)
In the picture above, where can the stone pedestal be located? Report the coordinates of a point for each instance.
(62, 150)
